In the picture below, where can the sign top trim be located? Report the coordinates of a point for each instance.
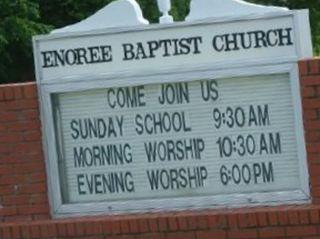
(111, 16)
(223, 8)
(154, 27)
(210, 42)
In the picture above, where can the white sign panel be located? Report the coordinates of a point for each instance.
(199, 138)
(155, 49)
(179, 116)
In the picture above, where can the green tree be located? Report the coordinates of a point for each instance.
(20, 20)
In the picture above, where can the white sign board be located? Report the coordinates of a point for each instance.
(205, 137)
(188, 115)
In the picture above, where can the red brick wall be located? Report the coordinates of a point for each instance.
(23, 192)
(22, 172)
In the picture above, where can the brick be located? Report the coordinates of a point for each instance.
(153, 224)
(11, 138)
(221, 234)
(29, 148)
(318, 91)
(25, 232)
(97, 228)
(242, 219)
(315, 169)
(30, 114)
(309, 92)
(271, 232)
(33, 188)
(19, 218)
(178, 235)
(18, 94)
(8, 211)
(107, 227)
(71, 231)
(134, 226)
(8, 93)
(311, 80)
(222, 221)
(44, 231)
(162, 224)
(293, 217)
(247, 220)
(8, 189)
(8, 117)
(262, 219)
(1, 93)
(10, 200)
(313, 125)
(16, 232)
(143, 225)
(33, 209)
(80, 229)
(283, 218)
(29, 168)
(51, 229)
(312, 136)
(172, 224)
(61, 229)
(35, 231)
(212, 221)
(4, 169)
(8, 179)
(314, 216)
(32, 136)
(301, 231)
(303, 67)
(202, 222)
(272, 218)
(41, 216)
(37, 177)
(89, 228)
(125, 227)
(314, 66)
(6, 233)
(311, 103)
(315, 192)
(30, 91)
(116, 229)
(24, 104)
(304, 217)
(313, 147)
(243, 234)
(310, 114)
(32, 125)
(192, 222)
(233, 221)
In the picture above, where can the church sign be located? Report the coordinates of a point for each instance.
(197, 114)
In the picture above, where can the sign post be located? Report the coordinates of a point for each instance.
(197, 114)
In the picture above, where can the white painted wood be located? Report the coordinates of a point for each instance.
(266, 68)
(202, 9)
(234, 200)
(300, 133)
(258, 91)
(302, 23)
(118, 13)
(164, 7)
(207, 30)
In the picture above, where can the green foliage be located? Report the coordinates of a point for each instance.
(19, 22)
(21, 19)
